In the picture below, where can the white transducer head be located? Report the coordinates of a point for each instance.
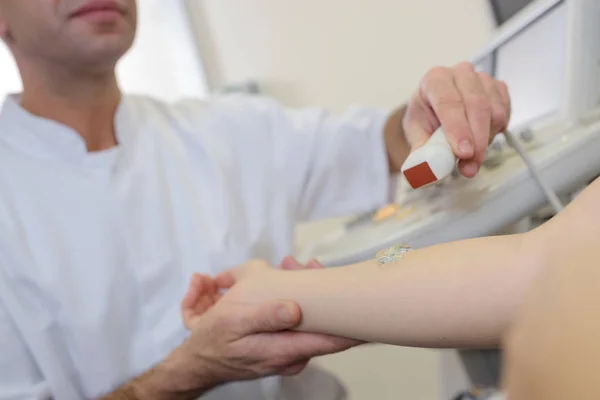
(430, 163)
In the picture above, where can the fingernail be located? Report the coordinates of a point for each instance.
(285, 314)
(471, 168)
(466, 147)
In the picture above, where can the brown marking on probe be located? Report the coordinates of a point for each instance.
(420, 175)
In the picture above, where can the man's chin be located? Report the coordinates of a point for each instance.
(101, 53)
(97, 63)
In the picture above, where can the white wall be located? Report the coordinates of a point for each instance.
(164, 60)
(334, 53)
(10, 80)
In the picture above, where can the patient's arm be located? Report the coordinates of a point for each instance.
(552, 351)
(461, 294)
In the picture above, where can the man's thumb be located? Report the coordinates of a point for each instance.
(272, 317)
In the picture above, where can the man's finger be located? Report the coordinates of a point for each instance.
(439, 92)
(478, 110)
(505, 95)
(274, 316)
(193, 292)
(295, 369)
(190, 299)
(208, 295)
(303, 346)
(500, 112)
(289, 263)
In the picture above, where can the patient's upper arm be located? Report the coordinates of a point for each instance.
(576, 226)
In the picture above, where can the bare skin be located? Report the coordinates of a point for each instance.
(465, 294)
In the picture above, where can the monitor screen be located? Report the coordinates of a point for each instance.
(533, 65)
(506, 9)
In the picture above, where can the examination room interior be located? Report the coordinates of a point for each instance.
(330, 53)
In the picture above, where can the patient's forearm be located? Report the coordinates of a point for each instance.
(461, 294)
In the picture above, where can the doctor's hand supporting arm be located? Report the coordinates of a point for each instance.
(471, 106)
(233, 342)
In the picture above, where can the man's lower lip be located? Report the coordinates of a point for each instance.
(100, 15)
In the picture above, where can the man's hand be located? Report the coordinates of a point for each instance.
(248, 342)
(232, 340)
(471, 106)
(237, 340)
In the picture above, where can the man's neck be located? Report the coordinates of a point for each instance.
(85, 102)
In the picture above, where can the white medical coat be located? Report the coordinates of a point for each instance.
(97, 249)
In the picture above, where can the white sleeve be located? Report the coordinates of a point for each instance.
(330, 166)
(20, 377)
(344, 168)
